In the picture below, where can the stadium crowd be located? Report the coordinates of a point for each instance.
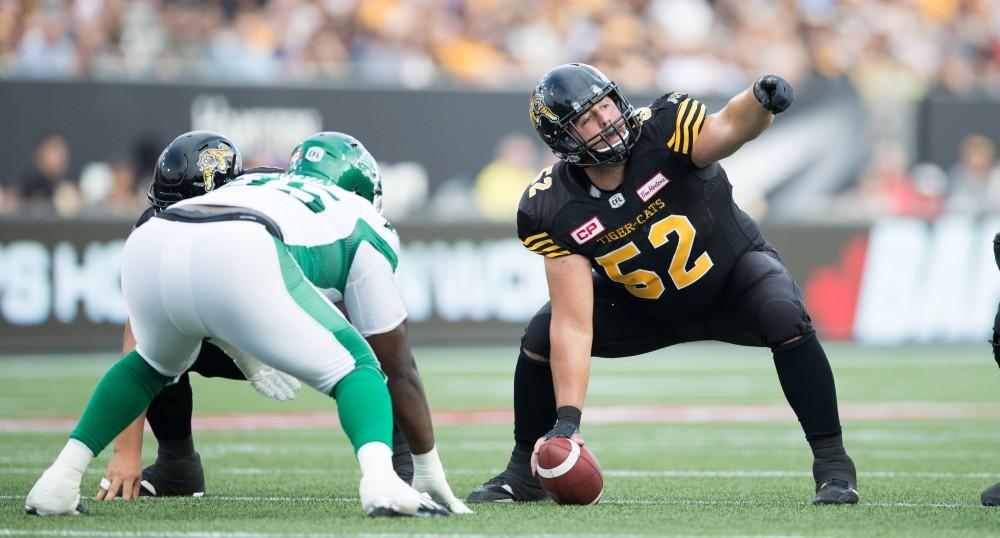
(894, 52)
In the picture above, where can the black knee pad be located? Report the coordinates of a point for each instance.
(781, 320)
(536, 334)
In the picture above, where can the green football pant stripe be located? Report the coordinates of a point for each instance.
(123, 393)
(363, 401)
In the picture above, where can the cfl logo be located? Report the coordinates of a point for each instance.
(587, 231)
(617, 200)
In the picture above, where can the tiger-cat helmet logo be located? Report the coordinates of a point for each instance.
(212, 161)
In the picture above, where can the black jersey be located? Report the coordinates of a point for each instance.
(668, 236)
(150, 212)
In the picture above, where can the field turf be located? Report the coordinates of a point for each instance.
(719, 456)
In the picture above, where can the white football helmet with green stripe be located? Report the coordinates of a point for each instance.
(339, 159)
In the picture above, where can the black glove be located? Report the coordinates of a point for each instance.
(567, 423)
(774, 93)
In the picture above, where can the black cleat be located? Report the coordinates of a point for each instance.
(836, 491)
(991, 495)
(836, 480)
(173, 478)
(514, 485)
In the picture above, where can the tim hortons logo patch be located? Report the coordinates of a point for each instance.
(587, 231)
(651, 187)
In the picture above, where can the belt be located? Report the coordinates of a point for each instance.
(203, 213)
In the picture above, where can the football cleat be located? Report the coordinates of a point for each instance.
(836, 491)
(514, 484)
(391, 497)
(54, 495)
(991, 495)
(173, 478)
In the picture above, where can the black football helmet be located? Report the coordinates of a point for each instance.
(563, 95)
(193, 164)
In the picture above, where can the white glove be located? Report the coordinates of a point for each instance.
(264, 379)
(428, 477)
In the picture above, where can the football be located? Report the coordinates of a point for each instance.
(569, 472)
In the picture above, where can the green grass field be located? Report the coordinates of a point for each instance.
(920, 475)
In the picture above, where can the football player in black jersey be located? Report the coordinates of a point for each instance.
(991, 495)
(193, 164)
(645, 248)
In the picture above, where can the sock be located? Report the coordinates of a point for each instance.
(175, 450)
(375, 459)
(534, 405)
(169, 414)
(807, 381)
(364, 408)
(126, 389)
(73, 460)
(402, 461)
(830, 460)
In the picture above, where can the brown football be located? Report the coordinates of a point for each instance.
(569, 472)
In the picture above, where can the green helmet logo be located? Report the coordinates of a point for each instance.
(341, 160)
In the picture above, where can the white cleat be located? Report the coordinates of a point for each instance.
(54, 495)
(391, 497)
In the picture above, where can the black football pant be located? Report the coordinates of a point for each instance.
(761, 306)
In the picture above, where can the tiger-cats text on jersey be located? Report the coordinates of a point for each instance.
(668, 236)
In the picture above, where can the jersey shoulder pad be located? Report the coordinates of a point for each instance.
(538, 210)
(146, 215)
(678, 118)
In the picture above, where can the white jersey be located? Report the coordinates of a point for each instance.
(343, 246)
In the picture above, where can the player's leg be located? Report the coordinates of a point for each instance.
(177, 470)
(991, 495)
(620, 330)
(163, 352)
(285, 322)
(773, 314)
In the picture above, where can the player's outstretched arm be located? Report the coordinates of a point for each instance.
(123, 474)
(743, 118)
(412, 413)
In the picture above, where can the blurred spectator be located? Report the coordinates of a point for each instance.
(975, 178)
(696, 45)
(886, 188)
(46, 189)
(499, 185)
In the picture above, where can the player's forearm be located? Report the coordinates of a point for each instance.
(130, 439)
(570, 361)
(740, 121)
(410, 409)
(745, 117)
(409, 402)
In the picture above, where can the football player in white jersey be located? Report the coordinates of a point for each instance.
(285, 243)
